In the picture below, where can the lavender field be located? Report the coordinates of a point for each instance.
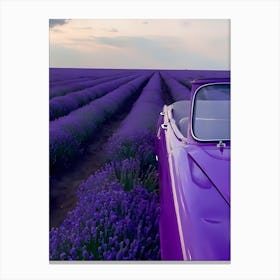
(104, 202)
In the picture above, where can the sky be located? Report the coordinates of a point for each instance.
(140, 43)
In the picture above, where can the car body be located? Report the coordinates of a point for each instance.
(193, 152)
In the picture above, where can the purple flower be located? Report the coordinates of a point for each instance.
(70, 134)
(120, 239)
(63, 105)
(176, 89)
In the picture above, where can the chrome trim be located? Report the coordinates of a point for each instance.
(192, 108)
(221, 144)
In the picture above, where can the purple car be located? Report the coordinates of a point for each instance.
(193, 151)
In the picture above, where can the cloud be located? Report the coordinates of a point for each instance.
(177, 44)
(55, 22)
(152, 57)
(160, 51)
(156, 50)
(133, 41)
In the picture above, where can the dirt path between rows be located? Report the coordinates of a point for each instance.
(63, 187)
(165, 94)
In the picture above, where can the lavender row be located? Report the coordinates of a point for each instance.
(68, 81)
(135, 137)
(63, 105)
(140, 147)
(109, 222)
(144, 114)
(189, 75)
(60, 74)
(176, 89)
(74, 86)
(69, 134)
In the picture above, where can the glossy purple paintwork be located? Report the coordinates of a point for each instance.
(194, 192)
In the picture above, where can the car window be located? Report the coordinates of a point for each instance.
(211, 112)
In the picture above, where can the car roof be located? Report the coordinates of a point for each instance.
(210, 80)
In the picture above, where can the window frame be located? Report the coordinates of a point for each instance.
(192, 111)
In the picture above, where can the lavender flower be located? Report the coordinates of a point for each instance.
(63, 105)
(177, 90)
(144, 114)
(69, 134)
(121, 228)
(61, 90)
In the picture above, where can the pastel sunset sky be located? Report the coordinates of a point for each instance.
(140, 43)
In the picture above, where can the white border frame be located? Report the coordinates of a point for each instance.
(24, 133)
